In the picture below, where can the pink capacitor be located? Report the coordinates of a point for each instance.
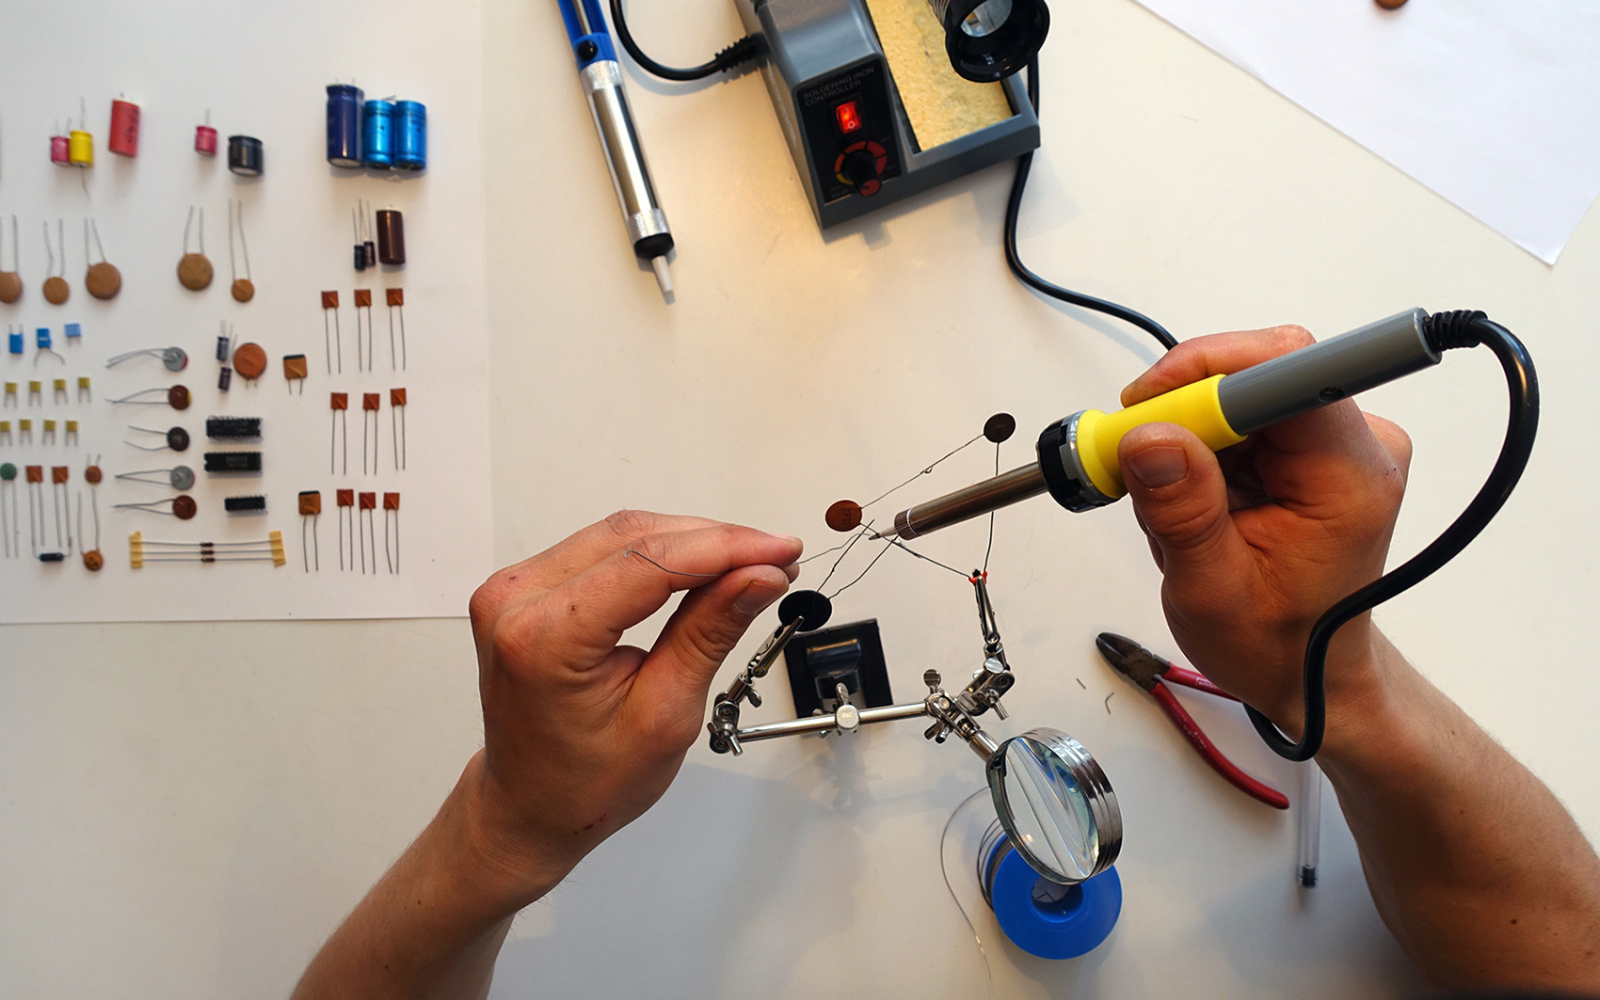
(124, 139)
(59, 150)
(205, 140)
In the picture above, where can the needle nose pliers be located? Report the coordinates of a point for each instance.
(1148, 670)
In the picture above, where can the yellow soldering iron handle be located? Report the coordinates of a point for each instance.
(1196, 406)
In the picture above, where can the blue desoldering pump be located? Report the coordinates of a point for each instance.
(601, 76)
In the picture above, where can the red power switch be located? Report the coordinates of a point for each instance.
(849, 117)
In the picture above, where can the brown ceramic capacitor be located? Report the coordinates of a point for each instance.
(391, 237)
(843, 515)
(1391, 4)
(250, 361)
(103, 280)
(194, 269)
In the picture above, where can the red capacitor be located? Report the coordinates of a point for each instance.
(59, 153)
(205, 140)
(124, 139)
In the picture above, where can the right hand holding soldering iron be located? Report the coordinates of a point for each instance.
(1257, 541)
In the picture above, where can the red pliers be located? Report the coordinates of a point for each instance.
(1147, 670)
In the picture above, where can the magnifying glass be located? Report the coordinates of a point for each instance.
(1056, 805)
(988, 40)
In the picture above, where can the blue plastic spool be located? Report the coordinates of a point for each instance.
(410, 120)
(344, 125)
(1046, 919)
(377, 134)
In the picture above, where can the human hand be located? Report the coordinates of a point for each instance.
(582, 735)
(1257, 541)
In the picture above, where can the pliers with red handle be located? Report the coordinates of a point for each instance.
(1148, 670)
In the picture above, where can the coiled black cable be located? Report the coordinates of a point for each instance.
(1033, 281)
(1445, 331)
(745, 49)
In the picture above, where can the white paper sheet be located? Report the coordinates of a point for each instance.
(261, 72)
(1494, 105)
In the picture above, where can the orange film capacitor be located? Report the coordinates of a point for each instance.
(124, 140)
(368, 501)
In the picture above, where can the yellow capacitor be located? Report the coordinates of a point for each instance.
(80, 149)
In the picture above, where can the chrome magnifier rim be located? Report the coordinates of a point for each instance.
(1091, 785)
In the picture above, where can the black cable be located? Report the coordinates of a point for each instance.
(745, 49)
(1445, 331)
(1027, 277)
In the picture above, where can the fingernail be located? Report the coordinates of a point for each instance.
(788, 538)
(755, 598)
(1158, 467)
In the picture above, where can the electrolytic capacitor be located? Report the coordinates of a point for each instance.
(205, 138)
(60, 153)
(244, 155)
(391, 237)
(410, 135)
(80, 148)
(377, 134)
(124, 139)
(344, 125)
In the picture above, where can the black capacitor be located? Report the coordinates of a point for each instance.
(369, 249)
(224, 378)
(233, 461)
(391, 237)
(244, 155)
(361, 257)
(224, 347)
(235, 505)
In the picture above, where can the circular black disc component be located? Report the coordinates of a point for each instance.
(178, 439)
(807, 604)
(999, 427)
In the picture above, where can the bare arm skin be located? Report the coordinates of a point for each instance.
(1474, 865)
(581, 736)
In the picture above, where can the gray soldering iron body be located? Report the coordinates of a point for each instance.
(630, 176)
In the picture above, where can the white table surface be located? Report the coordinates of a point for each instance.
(187, 810)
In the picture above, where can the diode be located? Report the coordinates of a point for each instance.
(43, 343)
(344, 125)
(391, 515)
(176, 359)
(339, 404)
(10, 281)
(194, 269)
(330, 305)
(377, 134)
(410, 127)
(391, 237)
(56, 289)
(397, 431)
(183, 506)
(177, 397)
(80, 144)
(269, 549)
(295, 370)
(124, 138)
(396, 300)
(244, 155)
(176, 439)
(205, 137)
(364, 301)
(179, 477)
(103, 280)
(226, 462)
(250, 361)
(245, 505)
(310, 513)
(92, 559)
(366, 515)
(346, 499)
(243, 289)
(369, 406)
(8, 524)
(35, 478)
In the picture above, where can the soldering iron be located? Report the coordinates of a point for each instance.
(1077, 457)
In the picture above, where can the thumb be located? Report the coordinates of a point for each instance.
(702, 632)
(1179, 496)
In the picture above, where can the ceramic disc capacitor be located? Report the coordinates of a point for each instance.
(377, 134)
(410, 135)
(244, 155)
(391, 237)
(124, 140)
(344, 125)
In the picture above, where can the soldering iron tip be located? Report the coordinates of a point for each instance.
(663, 276)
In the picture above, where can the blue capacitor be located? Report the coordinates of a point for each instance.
(14, 342)
(41, 339)
(344, 125)
(410, 135)
(377, 134)
(73, 330)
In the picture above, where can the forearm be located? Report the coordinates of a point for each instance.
(433, 925)
(1475, 866)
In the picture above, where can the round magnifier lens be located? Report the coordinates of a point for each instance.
(989, 40)
(1056, 805)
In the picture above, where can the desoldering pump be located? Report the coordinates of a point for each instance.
(1077, 457)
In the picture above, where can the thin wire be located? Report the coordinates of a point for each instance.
(988, 973)
(990, 547)
(919, 475)
(95, 225)
(864, 572)
(233, 274)
(824, 552)
(188, 226)
(677, 572)
(919, 555)
(52, 268)
(243, 246)
(848, 546)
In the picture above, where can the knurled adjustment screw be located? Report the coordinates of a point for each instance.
(932, 679)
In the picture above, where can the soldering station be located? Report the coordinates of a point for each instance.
(872, 113)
